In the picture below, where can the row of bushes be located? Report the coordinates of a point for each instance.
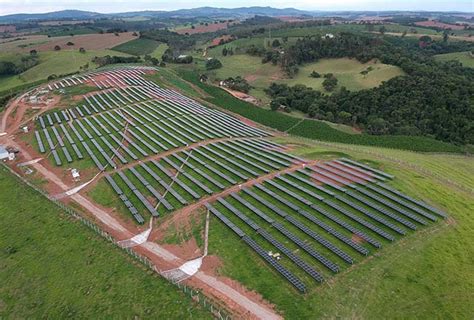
(311, 128)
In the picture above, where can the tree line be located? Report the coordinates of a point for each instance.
(432, 99)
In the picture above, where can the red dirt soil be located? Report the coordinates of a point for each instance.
(86, 41)
(437, 24)
(212, 27)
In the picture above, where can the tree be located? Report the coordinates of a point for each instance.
(382, 29)
(70, 43)
(82, 50)
(445, 36)
(33, 53)
(193, 27)
(315, 75)
(213, 63)
(276, 43)
(57, 48)
(377, 126)
(330, 83)
(224, 51)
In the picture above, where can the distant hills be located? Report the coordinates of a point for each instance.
(203, 12)
(181, 13)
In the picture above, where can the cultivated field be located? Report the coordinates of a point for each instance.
(211, 27)
(54, 62)
(138, 47)
(86, 41)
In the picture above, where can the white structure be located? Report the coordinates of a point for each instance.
(75, 174)
(4, 154)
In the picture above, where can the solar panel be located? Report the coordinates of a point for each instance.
(283, 271)
(386, 175)
(315, 220)
(402, 202)
(56, 157)
(176, 180)
(40, 142)
(66, 153)
(167, 187)
(210, 167)
(420, 203)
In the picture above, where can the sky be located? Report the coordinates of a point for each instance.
(36, 6)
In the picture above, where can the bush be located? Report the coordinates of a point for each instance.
(330, 83)
(315, 75)
(57, 48)
(213, 63)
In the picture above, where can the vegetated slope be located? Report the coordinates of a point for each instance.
(54, 267)
(54, 63)
(427, 274)
(310, 128)
(137, 47)
(465, 57)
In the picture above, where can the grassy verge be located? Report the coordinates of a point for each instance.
(54, 267)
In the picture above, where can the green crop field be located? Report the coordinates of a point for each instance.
(52, 62)
(137, 47)
(54, 267)
(465, 58)
(426, 274)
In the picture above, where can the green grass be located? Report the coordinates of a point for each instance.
(52, 62)
(159, 51)
(411, 278)
(346, 70)
(137, 47)
(54, 267)
(348, 73)
(465, 58)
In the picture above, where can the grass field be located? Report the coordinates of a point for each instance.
(159, 51)
(52, 62)
(137, 47)
(427, 274)
(347, 71)
(464, 57)
(53, 267)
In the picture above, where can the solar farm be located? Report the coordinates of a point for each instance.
(162, 153)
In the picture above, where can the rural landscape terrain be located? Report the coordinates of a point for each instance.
(246, 163)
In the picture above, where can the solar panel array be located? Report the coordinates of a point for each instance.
(332, 213)
(320, 217)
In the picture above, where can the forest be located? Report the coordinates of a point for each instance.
(432, 99)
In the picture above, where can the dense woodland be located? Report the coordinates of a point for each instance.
(432, 99)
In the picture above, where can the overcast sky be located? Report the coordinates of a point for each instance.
(35, 6)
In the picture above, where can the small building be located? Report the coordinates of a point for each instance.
(4, 154)
(75, 174)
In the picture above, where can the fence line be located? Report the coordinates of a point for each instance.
(212, 306)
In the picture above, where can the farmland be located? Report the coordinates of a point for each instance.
(137, 47)
(53, 62)
(86, 41)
